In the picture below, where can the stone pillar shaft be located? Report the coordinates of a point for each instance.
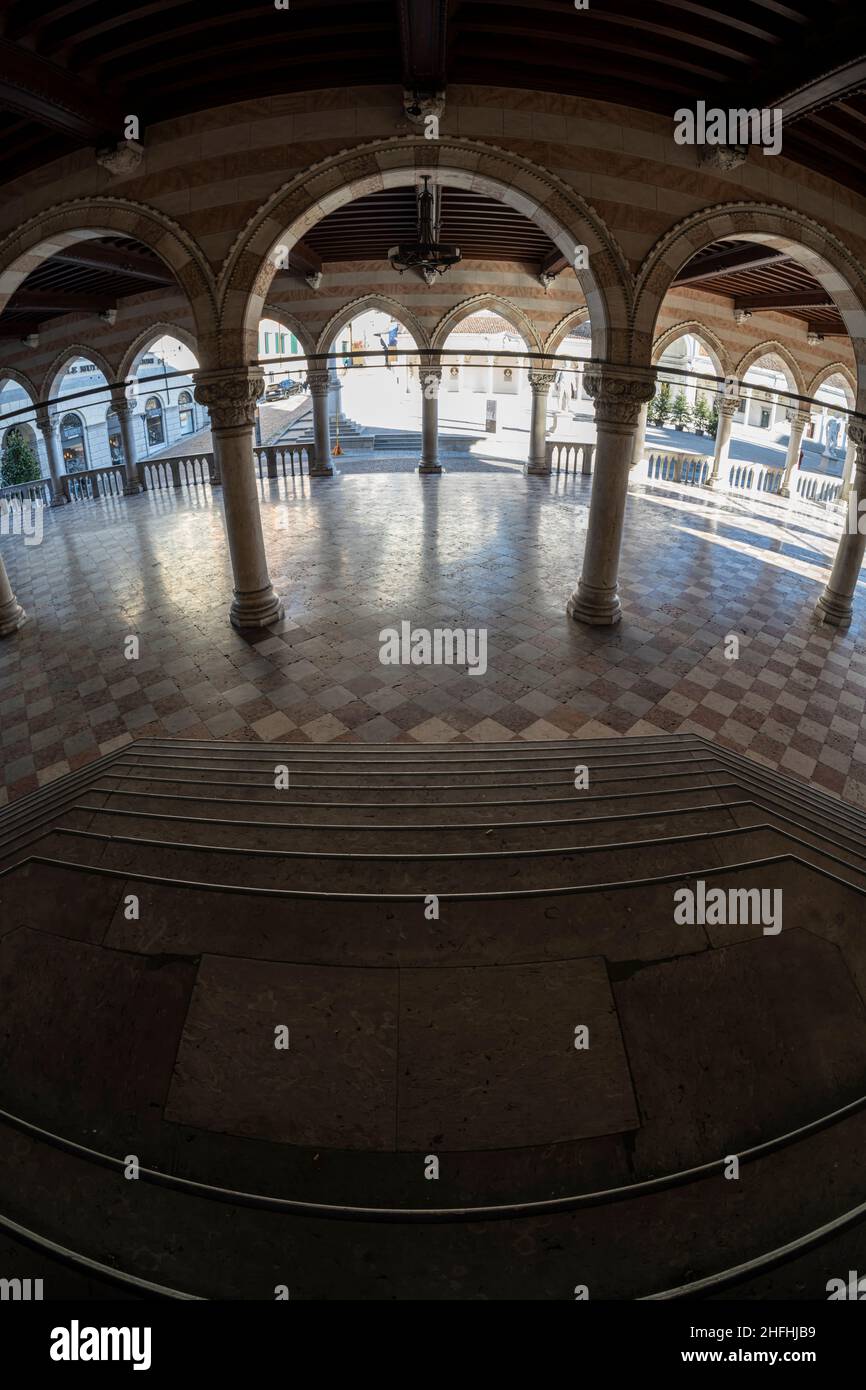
(50, 427)
(230, 397)
(124, 406)
(836, 604)
(12, 615)
(619, 393)
(795, 439)
(640, 435)
(319, 383)
(727, 410)
(431, 382)
(540, 382)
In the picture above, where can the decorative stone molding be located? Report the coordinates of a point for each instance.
(318, 382)
(48, 423)
(62, 360)
(541, 380)
(619, 393)
(124, 158)
(729, 405)
(725, 157)
(417, 106)
(230, 397)
(712, 345)
(772, 347)
(497, 304)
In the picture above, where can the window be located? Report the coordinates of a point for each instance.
(186, 413)
(115, 438)
(153, 422)
(72, 443)
(267, 343)
(765, 419)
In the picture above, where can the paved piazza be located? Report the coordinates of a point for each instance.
(362, 552)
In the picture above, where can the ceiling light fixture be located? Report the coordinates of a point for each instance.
(426, 254)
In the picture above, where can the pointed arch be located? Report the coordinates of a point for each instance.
(796, 380)
(561, 330)
(783, 229)
(456, 162)
(287, 320)
(84, 219)
(69, 354)
(497, 304)
(834, 369)
(713, 346)
(355, 307)
(24, 381)
(140, 344)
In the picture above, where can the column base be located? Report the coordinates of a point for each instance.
(595, 607)
(540, 470)
(317, 472)
(133, 489)
(834, 609)
(12, 616)
(429, 467)
(59, 501)
(256, 610)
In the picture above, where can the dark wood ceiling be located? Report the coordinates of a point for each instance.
(70, 71)
(483, 228)
(758, 279)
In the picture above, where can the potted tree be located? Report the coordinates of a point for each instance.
(660, 409)
(701, 416)
(19, 463)
(680, 412)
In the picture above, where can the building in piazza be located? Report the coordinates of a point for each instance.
(432, 668)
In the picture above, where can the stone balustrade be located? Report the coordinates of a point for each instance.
(282, 460)
(569, 456)
(161, 474)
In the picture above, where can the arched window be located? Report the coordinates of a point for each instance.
(186, 413)
(154, 424)
(115, 438)
(72, 443)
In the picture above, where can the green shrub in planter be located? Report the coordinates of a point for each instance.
(680, 412)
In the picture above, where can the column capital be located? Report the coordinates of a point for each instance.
(122, 400)
(729, 405)
(619, 393)
(230, 396)
(800, 419)
(541, 378)
(318, 380)
(48, 423)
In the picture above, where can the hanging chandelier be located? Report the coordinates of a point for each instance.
(426, 254)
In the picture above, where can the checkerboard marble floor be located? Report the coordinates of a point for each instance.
(363, 552)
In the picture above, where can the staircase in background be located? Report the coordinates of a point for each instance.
(164, 910)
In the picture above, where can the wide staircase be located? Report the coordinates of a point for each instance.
(421, 1022)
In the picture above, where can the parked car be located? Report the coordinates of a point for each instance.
(280, 390)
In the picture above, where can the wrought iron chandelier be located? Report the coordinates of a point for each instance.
(427, 253)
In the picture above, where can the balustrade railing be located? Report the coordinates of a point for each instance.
(677, 466)
(818, 489)
(282, 460)
(567, 456)
(92, 483)
(16, 494)
(158, 474)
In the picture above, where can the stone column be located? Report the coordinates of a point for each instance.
(319, 382)
(12, 615)
(540, 382)
(123, 405)
(431, 383)
(728, 408)
(618, 393)
(848, 470)
(230, 397)
(836, 604)
(640, 435)
(795, 439)
(50, 427)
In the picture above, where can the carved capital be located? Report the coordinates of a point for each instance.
(48, 423)
(230, 397)
(729, 406)
(319, 381)
(723, 156)
(619, 393)
(857, 437)
(122, 401)
(541, 379)
(124, 158)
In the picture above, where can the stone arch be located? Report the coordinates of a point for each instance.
(21, 378)
(62, 360)
(796, 380)
(139, 345)
(781, 228)
(713, 346)
(561, 330)
(519, 321)
(355, 307)
(286, 320)
(459, 162)
(83, 219)
(840, 369)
